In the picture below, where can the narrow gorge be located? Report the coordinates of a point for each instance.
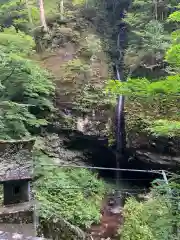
(91, 84)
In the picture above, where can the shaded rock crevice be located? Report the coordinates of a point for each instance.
(155, 152)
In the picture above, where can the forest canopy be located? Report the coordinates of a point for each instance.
(25, 89)
(158, 97)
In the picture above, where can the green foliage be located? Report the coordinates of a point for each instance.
(92, 97)
(165, 128)
(94, 44)
(13, 117)
(25, 89)
(154, 39)
(156, 101)
(147, 221)
(173, 54)
(148, 36)
(174, 17)
(154, 219)
(24, 81)
(51, 7)
(142, 87)
(75, 74)
(74, 194)
(78, 2)
(20, 42)
(76, 67)
(15, 12)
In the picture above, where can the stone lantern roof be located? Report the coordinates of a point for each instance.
(16, 161)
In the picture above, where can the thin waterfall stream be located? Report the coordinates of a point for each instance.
(120, 133)
(119, 126)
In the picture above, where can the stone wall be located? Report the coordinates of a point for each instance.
(61, 230)
(16, 216)
(19, 213)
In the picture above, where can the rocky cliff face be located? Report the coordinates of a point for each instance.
(77, 54)
(157, 152)
(68, 147)
(76, 58)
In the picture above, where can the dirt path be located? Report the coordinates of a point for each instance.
(109, 224)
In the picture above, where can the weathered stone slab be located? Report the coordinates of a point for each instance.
(16, 160)
(17, 213)
(16, 236)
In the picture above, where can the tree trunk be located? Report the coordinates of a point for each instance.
(62, 9)
(42, 15)
(155, 9)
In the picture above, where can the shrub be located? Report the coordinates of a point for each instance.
(74, 194)
(155, 219)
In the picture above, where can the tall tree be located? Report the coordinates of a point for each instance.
(42, 15)
(148, 36)
(62, 9)
(19, 13)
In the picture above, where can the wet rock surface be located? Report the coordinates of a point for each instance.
(155, 152)
(154, 158)
(74, 148)
(55, 147)
(111, 220)
(16, 236)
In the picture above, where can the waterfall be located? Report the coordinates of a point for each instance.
(119, 127)
(119, 109)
